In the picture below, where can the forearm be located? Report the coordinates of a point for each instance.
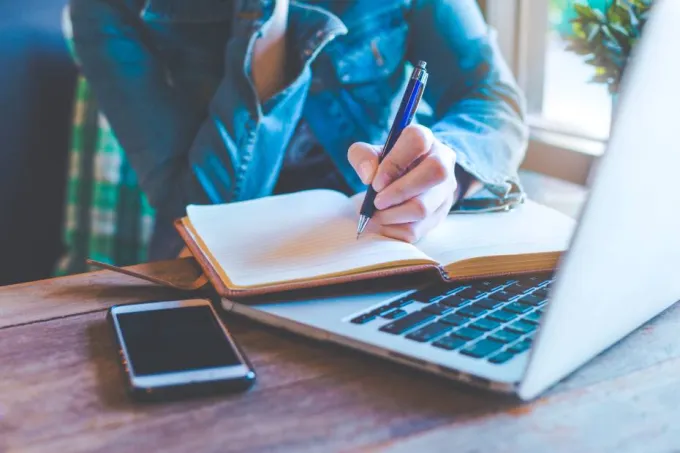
(478, 107)
(488, 134)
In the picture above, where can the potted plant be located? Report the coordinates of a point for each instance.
(605, 37)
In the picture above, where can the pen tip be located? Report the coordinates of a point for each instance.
(363, 221)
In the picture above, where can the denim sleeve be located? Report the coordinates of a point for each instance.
(478, 109)
(184, 153)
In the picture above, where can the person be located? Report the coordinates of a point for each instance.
(218, 101)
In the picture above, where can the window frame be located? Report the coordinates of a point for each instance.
(521, 27)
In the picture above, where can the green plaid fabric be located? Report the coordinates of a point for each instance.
(107, 216)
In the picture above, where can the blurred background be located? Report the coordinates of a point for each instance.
(569, 100)
(569, 115)
(37, 83)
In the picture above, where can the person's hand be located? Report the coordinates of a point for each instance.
(415, 183)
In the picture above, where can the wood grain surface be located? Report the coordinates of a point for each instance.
(58, 297)
(61, 390)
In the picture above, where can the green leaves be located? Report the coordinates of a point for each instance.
(608, 38)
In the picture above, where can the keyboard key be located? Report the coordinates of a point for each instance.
(363, 319)
(454, 301)
(533, 317)
(472, 311)
(515, 289)
(470, 293)
(380, 310)
(450, 343)
(438, 309)
(394, 314)
(518, 308)
(467, 333)
(520, 347)
(487, 285)
(401, 303)
(479, 304)
(541, 292)
(454, 320)
(455, 289)
(429, 332)
(531, 300)
(501, 296)
(521, 327)
(425, 295)
(489, 303)
(408, 322)
(529, 282)
(481, 349)
(501, 357)
(502, 316)
(485, 325)
(504, 336)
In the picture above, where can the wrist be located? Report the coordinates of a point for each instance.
(465, 181)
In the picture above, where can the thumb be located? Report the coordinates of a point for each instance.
(364, 160)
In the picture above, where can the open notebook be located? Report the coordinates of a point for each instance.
(308, 239)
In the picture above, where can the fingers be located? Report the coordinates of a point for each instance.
(415, 209)
(414, 231)
(435, 169)
(414, 141)
(415, 183)
(364, 160)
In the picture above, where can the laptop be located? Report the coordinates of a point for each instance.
(522, 335)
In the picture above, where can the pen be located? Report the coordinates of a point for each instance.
(407, 108)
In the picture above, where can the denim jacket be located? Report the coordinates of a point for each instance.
(173, 78)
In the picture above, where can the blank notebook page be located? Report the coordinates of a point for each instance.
(299, 236)
(529, 228)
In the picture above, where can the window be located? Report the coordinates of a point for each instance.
(569, 116)
(569, 101)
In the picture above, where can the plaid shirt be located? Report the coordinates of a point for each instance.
(107, 216)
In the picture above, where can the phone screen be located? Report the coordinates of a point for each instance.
(174, 340)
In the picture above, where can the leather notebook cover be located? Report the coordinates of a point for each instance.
(193, 244)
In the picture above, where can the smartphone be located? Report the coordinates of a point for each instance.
(177, 349)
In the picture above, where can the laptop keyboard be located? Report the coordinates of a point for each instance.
(492, 320)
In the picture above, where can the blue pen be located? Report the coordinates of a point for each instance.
(407, 108)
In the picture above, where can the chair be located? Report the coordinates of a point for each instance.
(36, 97)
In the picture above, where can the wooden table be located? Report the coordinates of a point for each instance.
(61, 390)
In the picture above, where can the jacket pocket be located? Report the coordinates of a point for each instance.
(373, 49)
